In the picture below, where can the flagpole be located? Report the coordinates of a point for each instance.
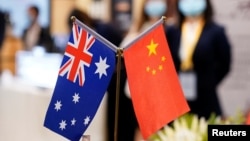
(118, 67)
(144, 32)
(93, 32)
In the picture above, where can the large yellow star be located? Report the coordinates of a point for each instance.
(152, 47)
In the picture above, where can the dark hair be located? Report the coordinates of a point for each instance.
(34, 8)
(208, 13)
(81, 16)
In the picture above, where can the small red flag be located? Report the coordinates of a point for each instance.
(153, 83)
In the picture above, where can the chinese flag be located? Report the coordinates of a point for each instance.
(153, 83)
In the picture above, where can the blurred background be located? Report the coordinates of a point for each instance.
(28, 77)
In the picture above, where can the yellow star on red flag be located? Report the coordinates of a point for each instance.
(152, 48)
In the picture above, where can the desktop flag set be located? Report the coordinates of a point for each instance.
(86, 70)
(153, 83)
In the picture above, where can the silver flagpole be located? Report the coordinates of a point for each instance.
(98, 36)
(160, 21)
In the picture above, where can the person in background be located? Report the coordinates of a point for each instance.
(35, 34)
(2, 27)
(109, 32)
(2, 35)
(151, 11)
(201, 53)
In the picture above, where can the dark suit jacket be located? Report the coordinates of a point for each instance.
(44, 39)
(2, 28)
(211, 60)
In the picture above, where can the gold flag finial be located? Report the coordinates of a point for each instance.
(119, 52)
(73, 18)
(164, 18)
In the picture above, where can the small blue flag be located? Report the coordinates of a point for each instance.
(83, 78)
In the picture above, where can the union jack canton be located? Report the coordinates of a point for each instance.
(78, 52)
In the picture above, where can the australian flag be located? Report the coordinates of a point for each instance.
(83, 78)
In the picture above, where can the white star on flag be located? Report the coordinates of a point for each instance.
(62, 125)
(101, 67)
(76, 98)
(86, 120)
(73, 121)
(58, 105)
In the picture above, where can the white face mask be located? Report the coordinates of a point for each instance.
(155, 8)
(192, 7)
